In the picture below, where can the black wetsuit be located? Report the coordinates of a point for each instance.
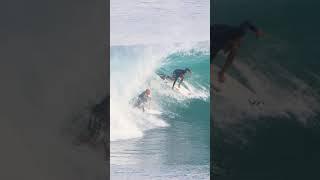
(176, 74)
(221, 34)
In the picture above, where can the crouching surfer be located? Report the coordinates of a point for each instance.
(143, 99)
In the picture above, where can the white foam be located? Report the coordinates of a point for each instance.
(129, 77)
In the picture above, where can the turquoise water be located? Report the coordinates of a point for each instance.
(175, 144)
(280, 140)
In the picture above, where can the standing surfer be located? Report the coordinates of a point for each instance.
(228, 38)
(179, 73)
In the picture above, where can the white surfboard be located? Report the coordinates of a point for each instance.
(181, 90)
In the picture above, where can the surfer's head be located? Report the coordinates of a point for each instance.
(148, 92)
(187, 70)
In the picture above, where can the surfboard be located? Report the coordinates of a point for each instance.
(168, 81)
(182, 90)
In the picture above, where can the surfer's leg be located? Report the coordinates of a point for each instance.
(228, 63)
(174, 82)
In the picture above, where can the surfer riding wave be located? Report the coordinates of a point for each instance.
(176, 74)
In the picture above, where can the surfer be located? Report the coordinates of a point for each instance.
(143, 99)
(228, 38)
(179, 73)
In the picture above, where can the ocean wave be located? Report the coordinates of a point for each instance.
(134, 69)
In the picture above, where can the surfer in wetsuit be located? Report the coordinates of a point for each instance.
(143, 98)
(228, 38)
(179, 73)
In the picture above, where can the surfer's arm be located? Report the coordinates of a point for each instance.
(229, 60)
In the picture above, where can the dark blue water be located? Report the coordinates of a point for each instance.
(281, 141)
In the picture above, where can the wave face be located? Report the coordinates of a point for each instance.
(134, 69)
(279, 139)
(170, 145)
